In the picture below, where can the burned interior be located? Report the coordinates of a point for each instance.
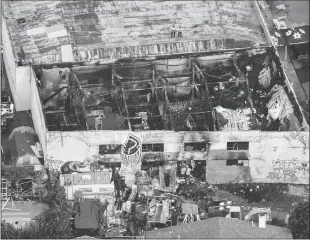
(219, 92)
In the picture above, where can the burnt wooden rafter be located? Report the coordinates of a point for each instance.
(193, 82)
(208, 97)
(167, 104)
(243, 77)
(126, 109)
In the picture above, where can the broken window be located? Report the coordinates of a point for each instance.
(196, 146)
(156, 147)
(86, 189)
(237, 145)
(110, 149)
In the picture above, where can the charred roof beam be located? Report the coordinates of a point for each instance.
(208, 97)
(126, 109)
(45, 101)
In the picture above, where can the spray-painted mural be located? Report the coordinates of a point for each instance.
(131, 152)
(290, 170)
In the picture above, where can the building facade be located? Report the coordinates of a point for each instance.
(226, 102)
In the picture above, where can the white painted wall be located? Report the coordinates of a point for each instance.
(264, 148)
(9, 61)
(37, 113)
(23, 90)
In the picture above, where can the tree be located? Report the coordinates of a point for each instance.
(54, 222)
(299, 221)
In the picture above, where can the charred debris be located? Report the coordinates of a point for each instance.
(221, 92)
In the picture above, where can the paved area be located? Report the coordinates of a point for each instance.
(114, 29)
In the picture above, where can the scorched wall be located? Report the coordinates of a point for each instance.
(272, 156)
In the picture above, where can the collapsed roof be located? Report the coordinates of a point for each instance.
(222, 92)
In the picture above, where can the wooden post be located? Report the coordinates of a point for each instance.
(126, 109)
(193, 82)
(249, 90)
(112, 75)
(208, 97)
(153, 80)
(167, 104)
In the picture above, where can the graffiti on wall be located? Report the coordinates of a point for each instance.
(54, 164)
(131, 152)
(289, 170)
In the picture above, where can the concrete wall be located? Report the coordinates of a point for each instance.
(22, 84)
(18, 77)
(37, 113)
(273, 156)
(9, 61)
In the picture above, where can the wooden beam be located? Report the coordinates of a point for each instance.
(176, 75)
(77, 117)
(167, 104)
(193, 82)
(112, 75)
(140, 89)
(87, 85)
(127, 113)
(115, 96)
(208, 97)
(139, 81)
(55, 111)
(153, 81)
(249, 97)
(243, 77)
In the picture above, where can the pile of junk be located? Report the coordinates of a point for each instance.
(146, 206)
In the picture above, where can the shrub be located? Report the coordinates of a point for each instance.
(299, 221)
